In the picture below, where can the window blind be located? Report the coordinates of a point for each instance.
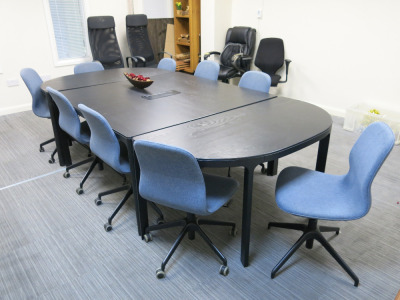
(68, 25)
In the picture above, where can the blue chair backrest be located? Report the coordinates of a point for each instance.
(68, 118)
(255, 80)
(167, 64)
(33, 82)
(366, 158)
(103, 142)
(170, 176)
(86, 67)
(207, 69)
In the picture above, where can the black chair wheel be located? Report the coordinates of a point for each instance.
(107, 227)
(67, 175)
(41, 149)
(160, 274)
(160, 220)
(79, 191)
(51, 161)
(147, 237)
(97, 201)
(263, 169)
(224, 270)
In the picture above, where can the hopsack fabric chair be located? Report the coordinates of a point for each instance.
(103, 42)
(142, 54)
(236, 57)
(255, 80)
(207, 69)
(69, 122)
(270, 57)
(105, 145)
(167, 64)
(39, 103)
(319, 196)
(171, 177)
(92, 66)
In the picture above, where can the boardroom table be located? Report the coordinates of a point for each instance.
(222, 125)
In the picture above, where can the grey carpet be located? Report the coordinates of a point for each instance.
(53, 245)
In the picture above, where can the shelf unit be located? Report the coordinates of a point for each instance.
(187, 24)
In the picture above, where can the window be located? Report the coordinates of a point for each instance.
(68, 31)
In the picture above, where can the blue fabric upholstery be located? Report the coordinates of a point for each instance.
(167, 64)
(103, 142)
(207, 69)
(255, 80)
(68, 118)
(172, 177)
(33, 83)
(86, 67)
(316, 195)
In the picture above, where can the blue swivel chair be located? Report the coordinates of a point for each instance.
(105, 145)
(172, 177)
(39, 103)
(86, 67)
(71, 124)
(207, 69)
(255, 80)
(167, 64)
(319, 196)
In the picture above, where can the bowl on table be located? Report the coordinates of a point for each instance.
(138, 81)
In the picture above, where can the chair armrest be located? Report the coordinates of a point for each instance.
(208, 54)
(164, 52)
(287, 62)
(135, 59)
(237, 59)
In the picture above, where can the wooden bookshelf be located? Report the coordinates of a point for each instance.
(186, 25)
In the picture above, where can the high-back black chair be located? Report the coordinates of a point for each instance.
(236, 57)
(139, 42)
(270, 57)
(103, 42)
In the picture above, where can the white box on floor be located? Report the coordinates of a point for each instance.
(358, 117)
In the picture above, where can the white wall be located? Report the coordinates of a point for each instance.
(25, 43)
(343, 52)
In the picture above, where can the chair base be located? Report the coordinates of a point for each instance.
(310, 232)
(41, 149)
(190, 225)
(108, 226)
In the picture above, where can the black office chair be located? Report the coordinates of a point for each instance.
(236, 57)
(270, 57)
(139, 42)
(103, 42)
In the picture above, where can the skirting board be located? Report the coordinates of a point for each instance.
(15, 109)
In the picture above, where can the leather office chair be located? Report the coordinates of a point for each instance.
(69, 122)
(236, 57)
(139, 43)
(167, 64)
(103, 42)
(92, 66)
(40, 106)
(172, 177)
(207, 69)
(270, 57)
(105, 145)
(319, 196)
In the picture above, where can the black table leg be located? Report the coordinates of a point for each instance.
(61, 138)
(140, 203)
(246, 214)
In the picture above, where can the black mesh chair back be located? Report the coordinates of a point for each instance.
(138, 38)
(103, 42)
(270, 58)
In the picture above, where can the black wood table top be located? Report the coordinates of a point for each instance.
(263, 131)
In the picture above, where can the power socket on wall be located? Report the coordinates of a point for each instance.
(12, 82)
